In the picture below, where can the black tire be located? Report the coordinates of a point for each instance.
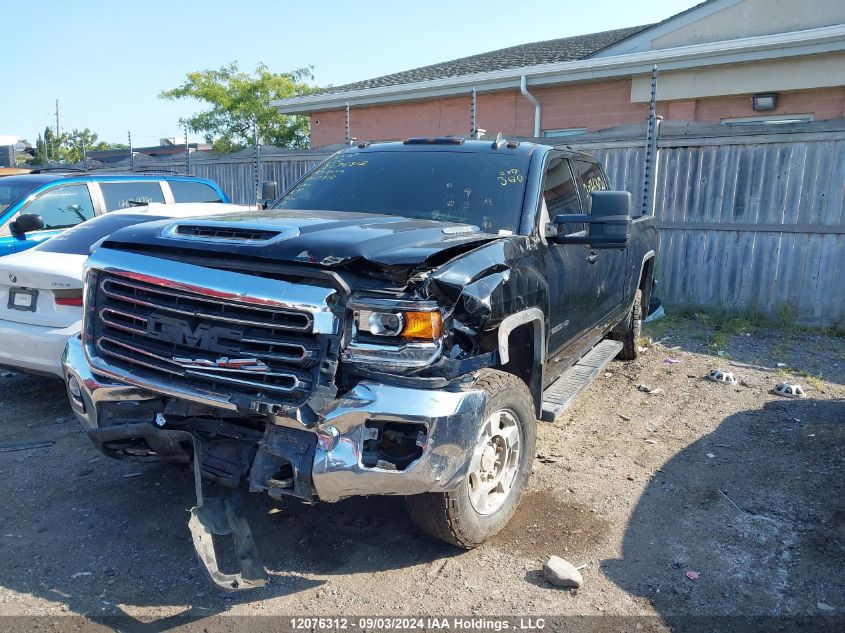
(451, 516)
(631, 337)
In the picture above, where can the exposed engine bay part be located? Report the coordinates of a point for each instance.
(392, 445)
(282, 465)
(223, 516)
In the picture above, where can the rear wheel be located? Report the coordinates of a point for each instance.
(631, 337)
(498, 471)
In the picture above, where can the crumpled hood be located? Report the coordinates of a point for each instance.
(327, 238)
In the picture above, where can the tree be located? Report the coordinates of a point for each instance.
(77, 141)
(45, 147)
(237, 99)
(69, 147)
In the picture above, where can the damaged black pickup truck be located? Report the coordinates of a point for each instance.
(394, 324)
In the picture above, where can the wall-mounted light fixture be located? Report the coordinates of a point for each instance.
(764, 101)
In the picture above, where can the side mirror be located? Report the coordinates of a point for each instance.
(26, 222)
(608, 224)
(610, 220)
(269, 190)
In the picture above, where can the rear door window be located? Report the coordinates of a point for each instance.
(123, 195)
(187, 191)
(589, 179)
(63, 206)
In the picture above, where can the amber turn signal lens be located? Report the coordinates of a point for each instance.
(427, 325)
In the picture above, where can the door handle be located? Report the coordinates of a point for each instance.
(592, 258)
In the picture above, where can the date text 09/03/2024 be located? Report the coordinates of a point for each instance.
(421, 623)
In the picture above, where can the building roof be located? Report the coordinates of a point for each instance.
(611, 54)
(564, 49)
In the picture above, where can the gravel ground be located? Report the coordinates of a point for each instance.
(738, 485)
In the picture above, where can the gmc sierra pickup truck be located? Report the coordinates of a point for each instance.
(394, 324)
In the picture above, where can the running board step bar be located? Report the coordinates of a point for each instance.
(558, 397)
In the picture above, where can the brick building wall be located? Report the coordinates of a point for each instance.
(593, 106)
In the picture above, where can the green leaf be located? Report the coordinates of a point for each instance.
(238, 101)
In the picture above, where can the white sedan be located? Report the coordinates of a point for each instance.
(41, 288)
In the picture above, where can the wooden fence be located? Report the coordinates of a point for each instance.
(751, 220)
(750, 217)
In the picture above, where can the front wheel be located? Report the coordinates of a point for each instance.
(498, 471)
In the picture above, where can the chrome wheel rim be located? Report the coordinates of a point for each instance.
(495, 462)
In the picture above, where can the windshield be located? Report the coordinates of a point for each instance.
(480, 188)
(11, 191)
(79, 239)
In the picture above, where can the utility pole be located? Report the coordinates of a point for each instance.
(131, 153)
(58, 130)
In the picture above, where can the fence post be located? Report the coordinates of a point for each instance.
(187, 153)
(650, 167)
(473, 118)
(256, 154)
(348, 131)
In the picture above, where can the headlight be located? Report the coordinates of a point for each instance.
(405, 320)
(394, 333)
(382, 323)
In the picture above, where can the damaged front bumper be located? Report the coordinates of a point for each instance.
(335, 458)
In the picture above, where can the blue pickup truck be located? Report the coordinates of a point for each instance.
(35, 207)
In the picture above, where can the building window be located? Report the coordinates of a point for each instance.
(569, 131)
(765, 101)
(775, 119)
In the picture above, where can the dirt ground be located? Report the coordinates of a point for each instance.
(741, 486)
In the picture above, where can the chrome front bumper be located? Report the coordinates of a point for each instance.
(451, 417)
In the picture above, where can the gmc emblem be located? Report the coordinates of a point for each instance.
(203, 336)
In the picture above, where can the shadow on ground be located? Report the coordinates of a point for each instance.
(755, 509)
(103, 536)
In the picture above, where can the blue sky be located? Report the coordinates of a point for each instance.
(107, 62)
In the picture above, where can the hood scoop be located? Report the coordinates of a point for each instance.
(220, 232)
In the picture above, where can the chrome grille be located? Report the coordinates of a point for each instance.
(222, 345)
(179, 302)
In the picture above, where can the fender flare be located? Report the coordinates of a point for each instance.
(649, 255)
(513, 321)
